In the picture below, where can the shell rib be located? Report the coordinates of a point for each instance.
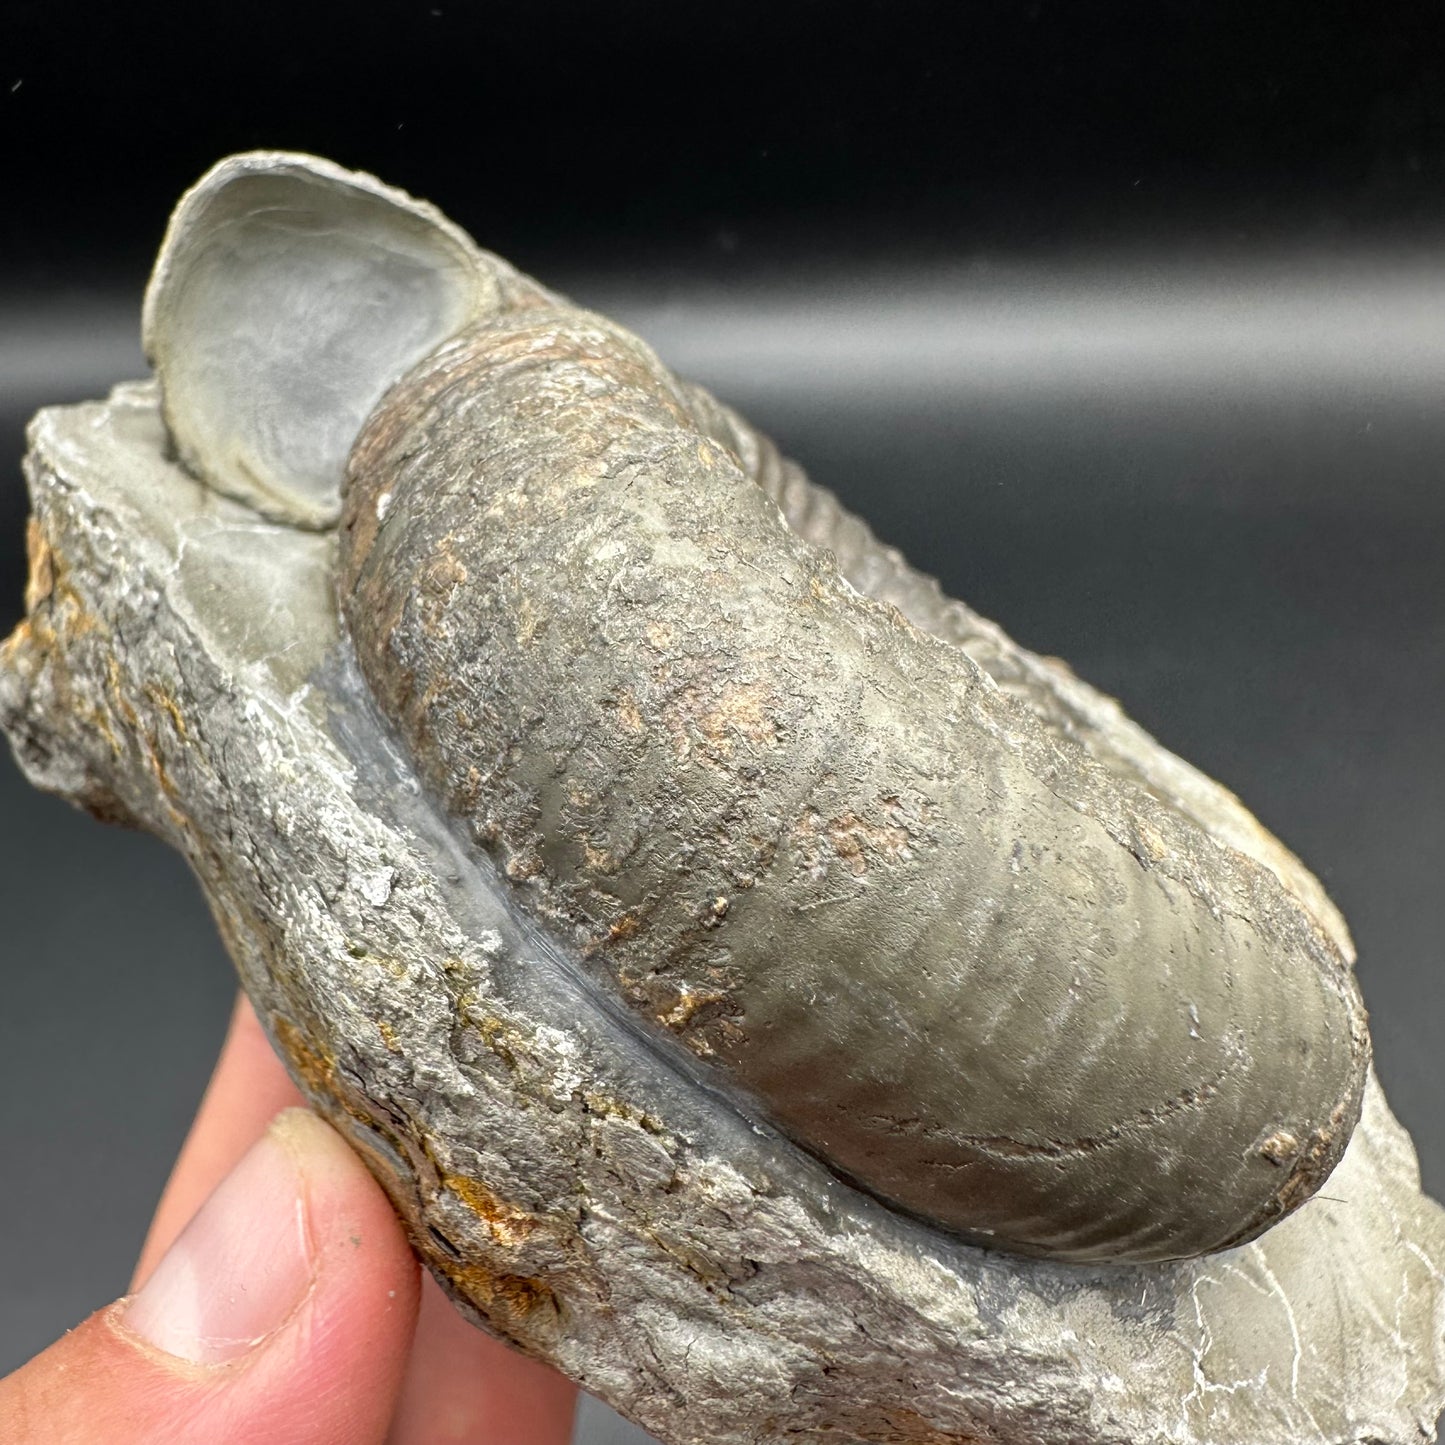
(1065, 704)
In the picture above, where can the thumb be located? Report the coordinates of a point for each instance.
(282, 1315)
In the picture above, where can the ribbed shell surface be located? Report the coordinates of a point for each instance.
(938, 945)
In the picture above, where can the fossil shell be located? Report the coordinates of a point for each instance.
(919, 897)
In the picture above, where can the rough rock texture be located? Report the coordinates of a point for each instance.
(955, 926)
(574, 1186)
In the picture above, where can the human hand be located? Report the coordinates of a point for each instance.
(277, 1302)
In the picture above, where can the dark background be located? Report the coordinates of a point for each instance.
(1128, 321)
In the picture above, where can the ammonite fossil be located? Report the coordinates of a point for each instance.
(986, 972)
(765, 990)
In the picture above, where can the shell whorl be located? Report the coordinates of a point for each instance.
(1062, 702)
(949, 924)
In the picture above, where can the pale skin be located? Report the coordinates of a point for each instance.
(327, 1336)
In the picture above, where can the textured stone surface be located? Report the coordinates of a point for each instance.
(582, 1188)
(911, 899)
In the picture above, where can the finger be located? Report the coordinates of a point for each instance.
(463, 1387)
(247, 1090)
(281, 1315)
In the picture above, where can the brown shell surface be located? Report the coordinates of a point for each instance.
(933, 940)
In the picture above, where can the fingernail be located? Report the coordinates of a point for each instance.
(238, 1270)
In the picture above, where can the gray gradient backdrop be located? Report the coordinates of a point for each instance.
(1214, 488)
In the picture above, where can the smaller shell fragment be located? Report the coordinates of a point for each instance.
(272, 352)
